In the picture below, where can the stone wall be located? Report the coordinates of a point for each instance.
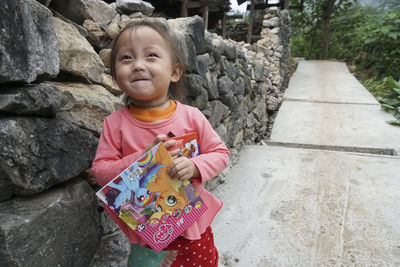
(237, 29)
(55, 91)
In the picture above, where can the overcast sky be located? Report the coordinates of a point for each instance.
(242, 7)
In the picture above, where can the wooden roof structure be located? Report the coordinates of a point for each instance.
(212, 11)
(184, 8)
(263, 4)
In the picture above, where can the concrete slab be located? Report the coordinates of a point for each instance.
(343, 125)
(326, 81)
(302, 207)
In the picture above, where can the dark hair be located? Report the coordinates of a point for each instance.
(176, 89)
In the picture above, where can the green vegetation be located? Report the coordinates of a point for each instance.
(391, 100)
(367, 38)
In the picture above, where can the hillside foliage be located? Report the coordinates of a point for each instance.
(366, 37)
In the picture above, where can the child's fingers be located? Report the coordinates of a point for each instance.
(159, 138)
(180, 168)
(169, 143)
(183, 174)
(174, 153)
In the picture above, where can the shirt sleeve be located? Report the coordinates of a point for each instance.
(214, 156)
(108, 162)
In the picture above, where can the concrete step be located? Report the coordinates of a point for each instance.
(326, 81)
(303, 207)
(359, 127)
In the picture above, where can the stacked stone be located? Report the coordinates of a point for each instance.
(237, 29)
(273, 51)
(52, 104)
(55, 91)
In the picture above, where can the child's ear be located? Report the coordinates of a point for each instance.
(176, 72)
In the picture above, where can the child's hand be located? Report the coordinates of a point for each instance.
(160, 138)
(183, 169)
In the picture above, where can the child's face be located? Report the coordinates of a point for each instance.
(144, 68)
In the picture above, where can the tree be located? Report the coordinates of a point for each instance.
(390, 4)
(311, 18)
(327, 10)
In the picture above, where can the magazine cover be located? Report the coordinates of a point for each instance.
(188, 145)
(157, 207)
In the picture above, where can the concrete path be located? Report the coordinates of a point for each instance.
(306, 198)
(325, 106)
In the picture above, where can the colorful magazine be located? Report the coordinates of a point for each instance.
(188, 145)
(155, 206)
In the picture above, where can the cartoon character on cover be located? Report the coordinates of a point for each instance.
(170, 198)
(136, 188)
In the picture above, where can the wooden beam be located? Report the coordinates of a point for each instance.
(205, 17)
(195, 4)
(200, 4)
(261, 6)
(251, 21)
(286, 4)
(224, 25)
(234, 16)
(184, 8)
(213, 9)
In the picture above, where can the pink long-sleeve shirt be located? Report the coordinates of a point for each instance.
(123, 139)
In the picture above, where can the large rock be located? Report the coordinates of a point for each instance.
(219, 112)
(113, 29)
(44, 2)
(108, 82)
(186, 49)
(87, 105)
(80, 28)
(161, 22)
(232, 70)
(114, 247)
(193, 84)
(225, 85)
(225, 48)
(189, 34)
(211, 84)
(191, 26)
(131, 6)
(113, 251)
(79, 10)
(204, 63)
(77, 56)
(28, 45)
(260, 112)
(201, 100)
(260, 72)
(273, 22)
(60, 227)
(239, 87)
(234, 128)
(39, 99)
(96, 36)
(228, 99)
(37, 153)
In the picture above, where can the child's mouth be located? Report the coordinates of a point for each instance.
(140, 80)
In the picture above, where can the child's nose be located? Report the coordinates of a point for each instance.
(138, 65)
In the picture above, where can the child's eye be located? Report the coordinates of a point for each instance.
(126, 57)
(152, 55)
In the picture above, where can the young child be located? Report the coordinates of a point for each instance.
(147, 67)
